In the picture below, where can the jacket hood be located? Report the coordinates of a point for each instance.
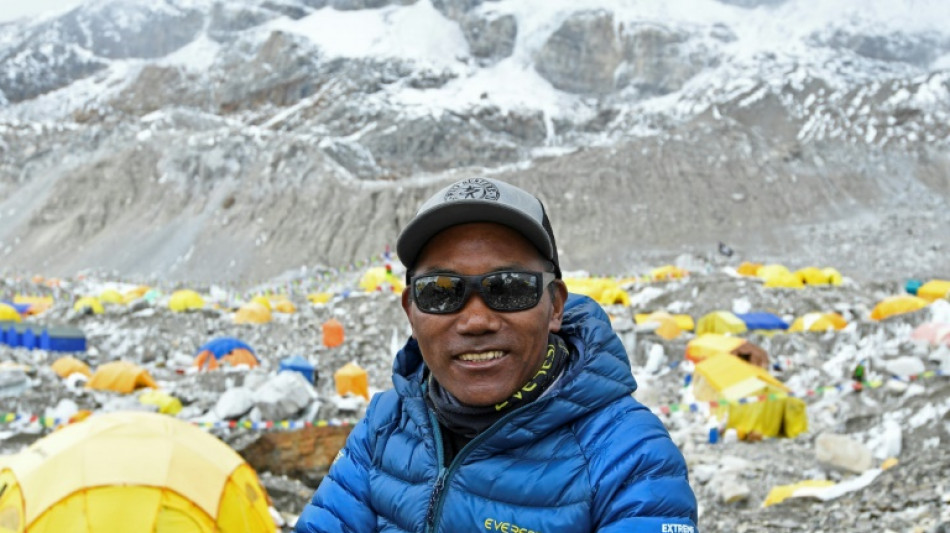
(597, 373)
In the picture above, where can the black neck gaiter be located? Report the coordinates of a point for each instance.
(468, 421)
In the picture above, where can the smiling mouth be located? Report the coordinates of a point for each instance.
(481, 356)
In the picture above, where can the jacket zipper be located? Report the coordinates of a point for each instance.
(440, 481)
(436, 501)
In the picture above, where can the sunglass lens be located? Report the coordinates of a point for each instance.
(439, 294)
(510, 291)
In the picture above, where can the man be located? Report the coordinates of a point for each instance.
(512, 409)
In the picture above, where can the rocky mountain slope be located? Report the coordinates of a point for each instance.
(233, 141)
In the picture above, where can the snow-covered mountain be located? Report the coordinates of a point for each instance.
(211, 140)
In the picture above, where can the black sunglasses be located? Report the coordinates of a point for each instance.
(501, 291)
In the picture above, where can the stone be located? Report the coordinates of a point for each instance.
(659, 60)
(350, 5)
(842, 453)
(455, 9)
(490, 36)
(583, 54)
(305, 454)
(904, 366)
(731, 490)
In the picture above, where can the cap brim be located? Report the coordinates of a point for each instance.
(425, 226)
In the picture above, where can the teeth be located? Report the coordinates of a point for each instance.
(483, 356)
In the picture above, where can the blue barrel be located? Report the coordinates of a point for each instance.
(912, 286)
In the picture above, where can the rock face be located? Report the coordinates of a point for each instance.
(229, 140)
(40, 70)
(350, 5)
(659, 60)
(920, 50)
(124, 30)
(304, 454)
(583, 54)
(455, 9)
(490, 37)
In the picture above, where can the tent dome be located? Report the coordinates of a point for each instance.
(131, 472)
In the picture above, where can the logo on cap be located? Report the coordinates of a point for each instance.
(473, 189)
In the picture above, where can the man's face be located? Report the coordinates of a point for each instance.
(514, 341)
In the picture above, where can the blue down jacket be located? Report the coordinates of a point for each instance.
(584, 457)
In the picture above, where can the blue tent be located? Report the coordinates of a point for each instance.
(762, 320)
(20, 308)
(223, 346)
(301, 365)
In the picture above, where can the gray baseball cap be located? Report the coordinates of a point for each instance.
(479, 200)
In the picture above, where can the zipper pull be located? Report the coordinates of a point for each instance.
(434, 499)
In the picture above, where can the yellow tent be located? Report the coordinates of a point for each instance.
(136, 293)
(8, 313)
(263, 300)
(111, 296)
(896, 305)
(131, 472)
(88, 302)
(69, 365)
(934, 289)
(749, 269)
(285, 306)
(252, 313)
(710, 344)
(185, 300)
(812, 276)
(727, 377)
(351, 378)
(377, 278)
(667, 327)
(720, 322)
(121, 376)
(783, 281)
(605, 291)
(668, 272)
(684, 322)
(319, 297)
(38, 304)
(832, 275)
(166, 403)
(818, 322)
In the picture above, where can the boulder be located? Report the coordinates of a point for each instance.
(842, 453)
(283, 396)
(227, 18)
(490, 36)
(305, 454)
(455, 9)
(351, 5)
(234, 403)
(658, 59)
(583, 54)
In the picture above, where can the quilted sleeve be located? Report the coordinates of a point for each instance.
(341, 502)
(639, 475)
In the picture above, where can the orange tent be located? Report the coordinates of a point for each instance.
(351, 378)
(252, 313)
(332, 333)
(66, 366)
(121, 376)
